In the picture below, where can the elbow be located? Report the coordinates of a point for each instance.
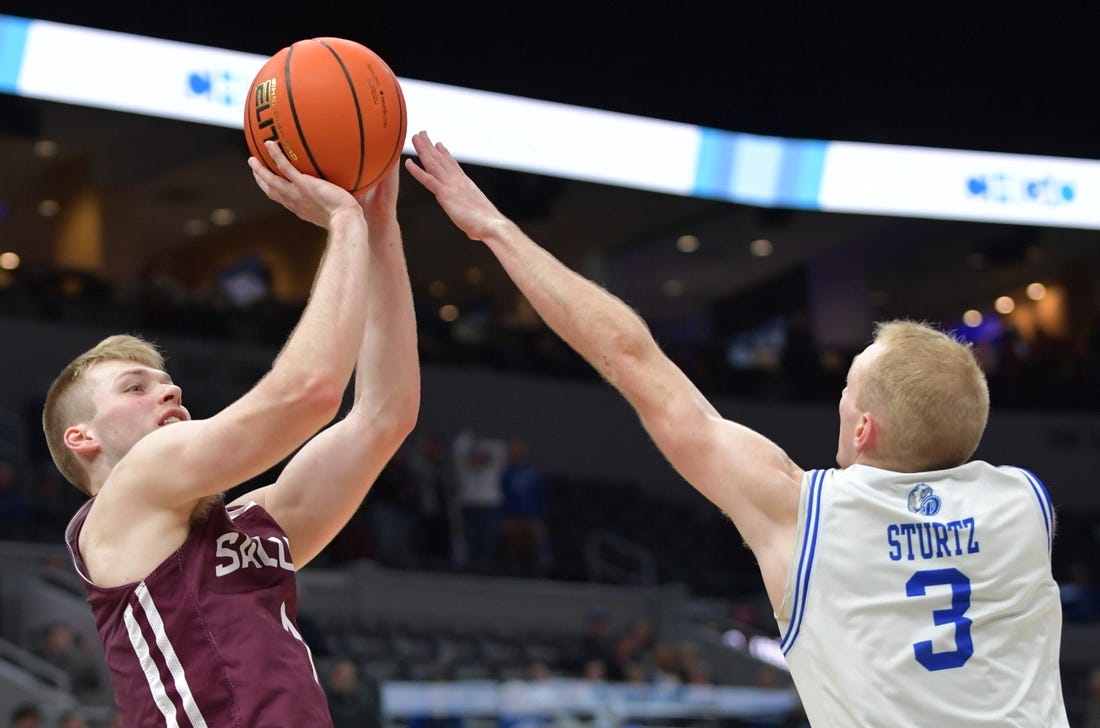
(320, 400)
(406, 412)
(392, 428)
(628, 348)
(399, 408)
(394, 419)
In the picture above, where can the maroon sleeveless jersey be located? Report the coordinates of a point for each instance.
(209, 639)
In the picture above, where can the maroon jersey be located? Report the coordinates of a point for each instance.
(209, 639)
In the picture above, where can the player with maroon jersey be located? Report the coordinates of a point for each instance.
(195, 599)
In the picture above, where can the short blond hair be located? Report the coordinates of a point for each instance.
(68, 401)
(932, 393)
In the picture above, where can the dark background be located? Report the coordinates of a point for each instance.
(1012, 77)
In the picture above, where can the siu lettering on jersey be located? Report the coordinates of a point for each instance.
(209, 639)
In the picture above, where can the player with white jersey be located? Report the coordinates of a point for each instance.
(877, 633)
(941, 581)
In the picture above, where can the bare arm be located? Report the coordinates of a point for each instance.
(172, 467)
(321, 487)
(743, 473)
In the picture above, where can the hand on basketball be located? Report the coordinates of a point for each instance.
(460, 198)
(380, 201)
(310, 198)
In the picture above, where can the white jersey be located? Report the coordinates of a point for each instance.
(924, 599)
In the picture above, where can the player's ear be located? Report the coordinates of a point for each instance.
(866, 432)
(81, 440)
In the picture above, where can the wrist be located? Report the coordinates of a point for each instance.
(382, 227)
(496, 227)
(345, 215)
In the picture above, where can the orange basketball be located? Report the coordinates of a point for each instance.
(335, 108)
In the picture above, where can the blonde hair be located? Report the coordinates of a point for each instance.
(69, 402)
(931, 392)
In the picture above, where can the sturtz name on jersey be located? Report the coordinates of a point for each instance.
(932, 540)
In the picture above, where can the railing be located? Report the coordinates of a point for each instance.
(35, 667)
(613, 559)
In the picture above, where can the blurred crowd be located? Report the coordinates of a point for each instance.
(775, 358)
(473, 502)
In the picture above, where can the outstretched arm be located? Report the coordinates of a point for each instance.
(172, 467)
(743, 473)
(322, 486)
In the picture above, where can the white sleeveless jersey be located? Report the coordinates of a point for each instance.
(924, 599)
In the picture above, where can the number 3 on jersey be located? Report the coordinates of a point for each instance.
(960, 602)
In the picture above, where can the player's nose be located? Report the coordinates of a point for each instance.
(171, 393)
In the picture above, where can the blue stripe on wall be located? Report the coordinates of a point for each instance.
(800, 176)
(714, 165)
(13, 39)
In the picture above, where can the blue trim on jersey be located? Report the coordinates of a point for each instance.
(806, 559)
(1045, 504)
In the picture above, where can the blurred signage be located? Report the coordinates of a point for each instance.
(106, 69)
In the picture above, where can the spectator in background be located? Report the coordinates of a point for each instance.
(431, 471)
(1080, 596)
(392, 508)
(1091, 717)
(798, 361)
(666, 664)
(63, 648)
(596, 643)
(16, 509)
(632, 650)
(526, 543)
(26, 716)
(479, 467)
(53, 503)
(72, 719)
(348, 700)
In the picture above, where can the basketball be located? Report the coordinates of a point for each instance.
(334, 107)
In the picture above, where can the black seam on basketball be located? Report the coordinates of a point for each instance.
(294, 115)
(358, 112)
(402, 125)
(250, 129)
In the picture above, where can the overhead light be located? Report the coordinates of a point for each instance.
(761, 247)
(687, 243)
(1004, 305)
(48, 208)
(474, 275)
(437, 288)
(194, 227)
(673, 287)
(223, 216)
(9, 261)
(973, 318)
(1036, 291)
(448, 312)
(45, 148)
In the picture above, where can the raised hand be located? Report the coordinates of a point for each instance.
(310, 198)
(462, 200)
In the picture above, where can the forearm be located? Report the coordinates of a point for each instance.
(597, 324)
(387, 379)
(323, 346)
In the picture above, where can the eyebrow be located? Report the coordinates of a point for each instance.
(147, 372)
